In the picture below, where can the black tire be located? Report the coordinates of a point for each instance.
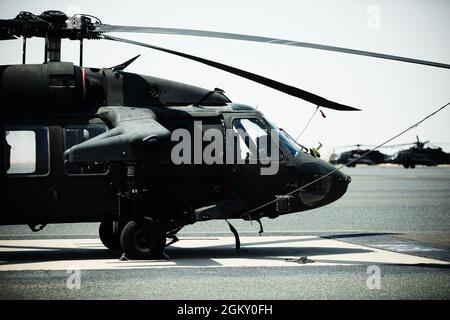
(406, 165)
(143, 239)
(412, 166)
(110, 239)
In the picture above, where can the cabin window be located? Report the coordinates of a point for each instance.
(77, 134)
(27, 151)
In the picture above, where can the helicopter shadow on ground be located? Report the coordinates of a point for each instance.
(260, 250)
(191, 256)
(34, 254)
(178, 256)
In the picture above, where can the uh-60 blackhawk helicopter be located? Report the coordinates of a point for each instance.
(85, 144)
(419, 155)
(352, 157)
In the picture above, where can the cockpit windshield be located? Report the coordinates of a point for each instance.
(285, 139)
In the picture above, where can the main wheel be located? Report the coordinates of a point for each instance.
(143, 239)
(109, 238)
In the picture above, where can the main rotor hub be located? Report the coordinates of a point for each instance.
(52, 25)
(49, 23)
(58, 18)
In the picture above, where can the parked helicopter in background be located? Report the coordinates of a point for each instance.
(373, 158)
(419, 155)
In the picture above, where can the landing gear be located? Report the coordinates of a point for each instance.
(110, 234)
(143, 239)
(236, 236)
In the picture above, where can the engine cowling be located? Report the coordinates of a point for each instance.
(40, 88)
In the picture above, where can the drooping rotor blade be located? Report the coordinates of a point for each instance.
(235, 36)
(293, 91)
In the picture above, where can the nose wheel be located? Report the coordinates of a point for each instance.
(143, 239)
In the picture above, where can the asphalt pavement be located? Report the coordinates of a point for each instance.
(387, 238)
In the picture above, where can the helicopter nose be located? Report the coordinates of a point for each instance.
(340, 185)
(324, 184)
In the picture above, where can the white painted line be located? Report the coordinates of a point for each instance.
(271, 251)
(406, 247)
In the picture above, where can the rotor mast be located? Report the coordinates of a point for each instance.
(53, 38)
(52, 49)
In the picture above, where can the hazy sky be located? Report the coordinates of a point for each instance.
(392, 94)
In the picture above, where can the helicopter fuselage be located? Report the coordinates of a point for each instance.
(49, 110)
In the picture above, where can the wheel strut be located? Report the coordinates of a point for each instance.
(236, 235)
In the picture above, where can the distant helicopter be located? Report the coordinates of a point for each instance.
(418, 155)
(373, 158)
(83, 144)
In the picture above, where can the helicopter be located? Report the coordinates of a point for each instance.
(85, 144)
(373, 158)
(419, 155)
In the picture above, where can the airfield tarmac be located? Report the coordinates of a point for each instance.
(392, 220)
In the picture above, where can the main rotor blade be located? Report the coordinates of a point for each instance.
(358, 145)
(293, 91)
(399, 145)
(235, 36)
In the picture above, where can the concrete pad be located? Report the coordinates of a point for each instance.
(270, 251)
